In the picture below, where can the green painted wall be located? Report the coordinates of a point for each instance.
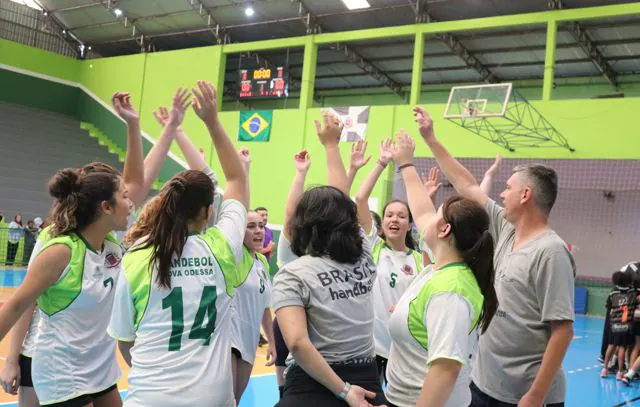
(39, 61)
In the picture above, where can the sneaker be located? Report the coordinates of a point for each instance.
(604, 373)
(619, 376)
(601, 359)
(626, 380)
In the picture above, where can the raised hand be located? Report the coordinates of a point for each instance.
(357, 397)
(494, 167)
(122, 104)
(403, 148)
(302, 161)
(431, 182)
(162, 116)
(245, 156)
(178, 107)
(205, 103)
(386, 151)
(425, 123)
(357, 159)
(330, 133)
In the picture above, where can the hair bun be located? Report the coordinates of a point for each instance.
(64, 183)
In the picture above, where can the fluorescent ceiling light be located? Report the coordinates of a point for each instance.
(28, 3)
(117, 12)
(248, 11)
(356, 4)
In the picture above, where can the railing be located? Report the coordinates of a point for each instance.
(12, 255)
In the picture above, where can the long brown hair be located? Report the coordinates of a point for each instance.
(144, 222)
(470, 228)
(181, 201)
(78, 193)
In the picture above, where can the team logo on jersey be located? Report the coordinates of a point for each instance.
(111, 260)
(407, 270)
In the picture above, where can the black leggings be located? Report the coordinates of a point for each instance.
(300, 389)
(281, 346)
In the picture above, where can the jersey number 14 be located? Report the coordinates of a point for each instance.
(200, 329)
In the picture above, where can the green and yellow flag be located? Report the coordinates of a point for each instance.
(255, 125)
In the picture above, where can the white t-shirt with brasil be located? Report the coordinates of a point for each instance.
(182, 350)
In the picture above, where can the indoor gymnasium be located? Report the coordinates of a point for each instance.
(196, 211)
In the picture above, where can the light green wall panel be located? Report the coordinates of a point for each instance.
(39, 61)
(165, 73)
(105, 76)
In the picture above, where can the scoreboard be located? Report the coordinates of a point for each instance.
(264, 83)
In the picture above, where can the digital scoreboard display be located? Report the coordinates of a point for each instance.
(264, 83)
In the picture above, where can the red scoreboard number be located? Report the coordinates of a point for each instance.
(263, 82)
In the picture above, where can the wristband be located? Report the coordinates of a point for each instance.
(343, 394)
(403, 166)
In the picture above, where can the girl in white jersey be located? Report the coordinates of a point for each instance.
(72, 278)
(434, 327)
(138, 175)
(394, 252)
(252, 306)
(173, 305)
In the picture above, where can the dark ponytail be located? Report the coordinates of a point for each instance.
(78, 193)
(181, 201)
(470, 227)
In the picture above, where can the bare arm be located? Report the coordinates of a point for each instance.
(125, 351)
(133, 173)
(439, 383)
(357, 160)
(46, 269)
(302, 162)
(420, 202)
(487, 181)
(206, 107)
(329, 136)
(267, 327)
(362, 197)
(460, 177)
(561, 337)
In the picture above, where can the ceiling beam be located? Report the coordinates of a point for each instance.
(59, 30)
(588, 46)
(351, 53)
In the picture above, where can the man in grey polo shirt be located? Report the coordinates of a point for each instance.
(519, 357)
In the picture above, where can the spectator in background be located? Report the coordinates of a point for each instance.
(378, 222)
(39, 224)
(15, 233)
(269, 244)
(30, 235)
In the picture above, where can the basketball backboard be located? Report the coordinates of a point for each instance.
(477, 101)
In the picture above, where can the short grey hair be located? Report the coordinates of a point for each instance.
(544, 182)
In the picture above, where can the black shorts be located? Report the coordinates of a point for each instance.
(281, 346)
(25, 371)
(300, 389)
(621, 339)
(382, 367)
(635, 328)
(85, 399)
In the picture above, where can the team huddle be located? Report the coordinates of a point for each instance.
(478, 312)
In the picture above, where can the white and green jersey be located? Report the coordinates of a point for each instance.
(73, 354)
(182, 335)
(396, 271)
(436, 318)
(249, 302)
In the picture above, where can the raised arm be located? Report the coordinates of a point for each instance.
(362, 197)
(487, 181)
(455, 172)
(357, 160)
(245, 157)
(195, 159)
(133, 173)
(206, 108)
(158, 153)
(419, 200)
(329, 136)
(302, 162)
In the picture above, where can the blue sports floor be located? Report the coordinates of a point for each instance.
(585, 388)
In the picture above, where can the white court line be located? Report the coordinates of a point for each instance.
(578, 337)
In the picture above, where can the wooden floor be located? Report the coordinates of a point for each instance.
(5, 292)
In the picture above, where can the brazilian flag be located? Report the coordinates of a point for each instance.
(255, 125)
